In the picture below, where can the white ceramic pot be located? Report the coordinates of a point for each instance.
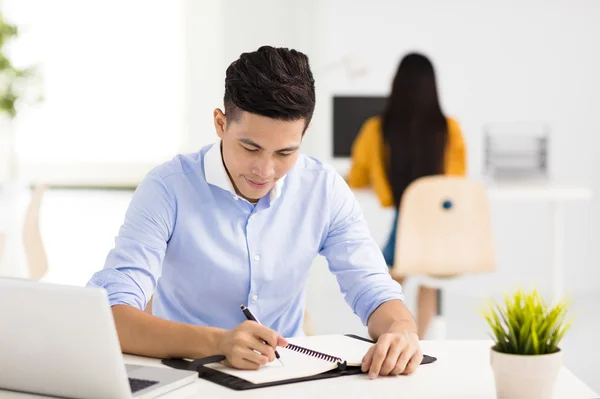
(525, 376)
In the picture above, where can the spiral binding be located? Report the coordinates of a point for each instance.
(310, 352)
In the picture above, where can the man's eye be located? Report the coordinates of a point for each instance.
(285, 154)
(249, 149)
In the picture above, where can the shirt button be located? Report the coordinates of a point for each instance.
(254, 297)
(256, 257)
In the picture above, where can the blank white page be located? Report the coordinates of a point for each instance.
(296, 365)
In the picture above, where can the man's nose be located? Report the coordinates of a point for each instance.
(263, 167)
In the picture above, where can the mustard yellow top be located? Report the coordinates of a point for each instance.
(368, 162)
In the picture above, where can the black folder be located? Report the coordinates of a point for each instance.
(237, 383)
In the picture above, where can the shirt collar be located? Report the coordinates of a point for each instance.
(216, 174)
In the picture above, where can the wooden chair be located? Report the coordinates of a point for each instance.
(444, 231)
(26, 252)
(35, 252)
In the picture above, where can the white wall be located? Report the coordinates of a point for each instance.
(204, 69)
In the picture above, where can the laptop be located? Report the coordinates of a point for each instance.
(61, 341)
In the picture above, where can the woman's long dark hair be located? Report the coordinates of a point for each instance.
(414, 127)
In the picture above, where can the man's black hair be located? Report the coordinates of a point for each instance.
(272, 82)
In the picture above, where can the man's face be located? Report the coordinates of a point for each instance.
(258, 150)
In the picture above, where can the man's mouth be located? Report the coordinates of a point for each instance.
(257, 184)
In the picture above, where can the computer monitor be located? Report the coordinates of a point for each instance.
(349, 114)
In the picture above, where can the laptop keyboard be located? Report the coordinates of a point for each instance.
(137, 384)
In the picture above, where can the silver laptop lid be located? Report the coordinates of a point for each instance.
(59, 340)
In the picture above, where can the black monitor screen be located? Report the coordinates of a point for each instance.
(349, 114)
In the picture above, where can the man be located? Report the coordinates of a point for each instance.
(240, 222)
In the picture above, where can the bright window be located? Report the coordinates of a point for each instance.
(113, 77)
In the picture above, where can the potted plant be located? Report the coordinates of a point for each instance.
(526, 354)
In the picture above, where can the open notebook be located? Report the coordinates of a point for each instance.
(306, 358)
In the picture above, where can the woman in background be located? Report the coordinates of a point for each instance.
(411, 139)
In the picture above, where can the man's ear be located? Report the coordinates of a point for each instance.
(220, 121)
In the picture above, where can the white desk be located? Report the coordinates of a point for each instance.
(546, 192)
(461, 371)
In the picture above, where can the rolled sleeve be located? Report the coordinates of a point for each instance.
(354, 257)
(133, 266)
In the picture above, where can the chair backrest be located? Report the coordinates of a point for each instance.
(32, 237)
(444, 229)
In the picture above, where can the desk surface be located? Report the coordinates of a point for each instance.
(462, 371)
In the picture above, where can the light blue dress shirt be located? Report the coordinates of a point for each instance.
(202, 251)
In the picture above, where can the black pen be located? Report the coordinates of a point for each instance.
(250, 316)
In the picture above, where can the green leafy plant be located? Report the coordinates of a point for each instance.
(526, 325)
(13, 80)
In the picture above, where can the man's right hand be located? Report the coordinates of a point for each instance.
(241, 344)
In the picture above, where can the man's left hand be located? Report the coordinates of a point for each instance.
(394, 353)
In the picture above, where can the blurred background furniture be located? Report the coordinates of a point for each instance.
(35, 252)
(22, 251)
(516, 151)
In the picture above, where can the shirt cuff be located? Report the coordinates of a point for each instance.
(370, 300)
(120, 288)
